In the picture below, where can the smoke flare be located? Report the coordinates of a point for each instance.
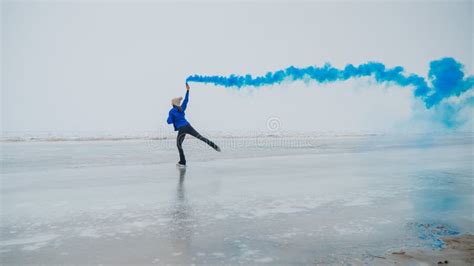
(446, 77)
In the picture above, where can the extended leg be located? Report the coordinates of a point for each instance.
(196, 134)
(179, 143)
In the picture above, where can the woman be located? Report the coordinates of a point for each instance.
(176, 117)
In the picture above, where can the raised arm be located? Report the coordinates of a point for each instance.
(186, 98)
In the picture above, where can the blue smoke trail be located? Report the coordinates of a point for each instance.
(445, 75)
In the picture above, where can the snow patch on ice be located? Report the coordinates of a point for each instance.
(220, 216)
(31, 243)
(141, 224)
(90, 232)
(285, 206)
(30, 240)
(351, 229)
(359, 202)
(118, 207)
(250, 252)
(264, 260)
(34, 246)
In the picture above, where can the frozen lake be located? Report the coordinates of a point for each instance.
(300, 199)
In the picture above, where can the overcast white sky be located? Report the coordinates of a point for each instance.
(113, 67)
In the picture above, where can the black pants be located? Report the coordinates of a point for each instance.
(188, 129)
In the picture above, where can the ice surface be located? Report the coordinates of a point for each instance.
(268, 199)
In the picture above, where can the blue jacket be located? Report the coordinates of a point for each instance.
(176, 116)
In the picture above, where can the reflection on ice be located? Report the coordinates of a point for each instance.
(181, 222)
(332, 200)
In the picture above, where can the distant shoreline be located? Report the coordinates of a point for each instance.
(220, 135)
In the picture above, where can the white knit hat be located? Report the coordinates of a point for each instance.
(176, 101)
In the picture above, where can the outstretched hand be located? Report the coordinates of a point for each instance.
(187, 86)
